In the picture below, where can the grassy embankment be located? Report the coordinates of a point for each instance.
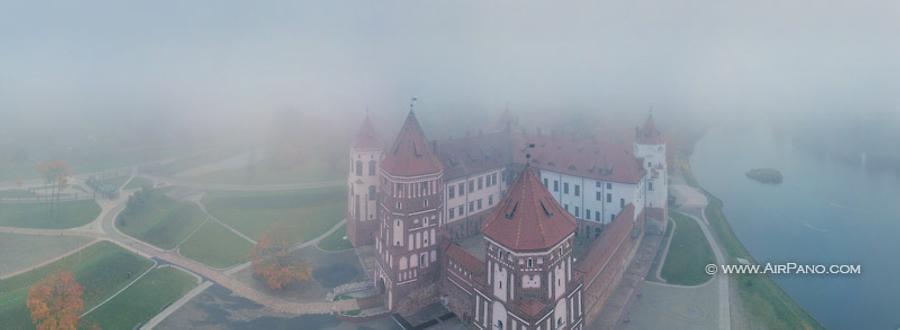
(303, 215)
(62, 215)
(688, 253)
(143, 300)
(764, 303)
(216, 246)
(336, 241)
(155, 218)
(102, 269)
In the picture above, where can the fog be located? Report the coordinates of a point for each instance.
(157, 71)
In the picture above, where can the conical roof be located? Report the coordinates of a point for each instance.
(365, 137)
(528, 218)
(648, 134)
(411, 155)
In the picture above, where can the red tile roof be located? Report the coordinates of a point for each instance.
(528, 218)
(411, 155)
(365, 137)
(648, 134)
(591, 158)
(460, 256)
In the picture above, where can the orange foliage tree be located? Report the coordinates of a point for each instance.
(273, 264)
(55, 302)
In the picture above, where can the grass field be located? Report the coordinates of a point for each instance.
(688, 253)
(138, 183)
(39, 215)
(763, 301)
(302, 214)
(22, 251)
(143, 300)
(216, 246)
(159, 219)
(336, 241)
(15, 193)
(102, 269)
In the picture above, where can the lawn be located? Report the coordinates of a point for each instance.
(102, 269)
(63, 215)
(155, 218)
(22, 251)
(688, 253)
(304, 214)
(138, 183)
(216, 246)
(763, 301)
(16, 193)
(143, 300)
(336, 241)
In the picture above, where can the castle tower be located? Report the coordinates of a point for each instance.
(362, 182)
(650, 147)
(410, 209)
(530, 277)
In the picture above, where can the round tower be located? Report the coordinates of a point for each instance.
(411, 202)
(530, 272)
(650, 148)
(363, 186)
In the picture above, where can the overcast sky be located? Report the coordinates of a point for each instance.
(238, 59)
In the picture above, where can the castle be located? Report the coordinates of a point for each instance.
(487, 224)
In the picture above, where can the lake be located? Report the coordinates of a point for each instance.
(825, 212)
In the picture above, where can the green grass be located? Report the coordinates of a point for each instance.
(216, 246)
(15, 193)
(336, 241)
(40, 215)
(303, 215)
(765, 304)
(143, 300)
(102, 269)
(688, 253)
(139, 183)
(159, 219)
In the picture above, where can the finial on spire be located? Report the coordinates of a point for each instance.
(412, 102)
(527, 151)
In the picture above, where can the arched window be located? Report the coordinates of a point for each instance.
(359, 168)
(371, 193)
(371, 167)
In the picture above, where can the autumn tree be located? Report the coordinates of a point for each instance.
(56, 302)
(273, 264)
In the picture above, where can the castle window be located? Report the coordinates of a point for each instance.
(621, 202)
(426, 202)
(555, 185)
(609, 198)
(577, 213)
(587, 213)
(471, 206)
(359, 168)
(612, 217)
(462, 188)
(650, 186)
(599, 196)
(471, 185)
(371, 193)
(479, 203)
(451, 211)
(597, 215)
(545, 183)
(490, 200)
(565, 187)
(480, 182)
(529, 263)
(567, 207)
(451, 192)
(371, 168)
(577, 190)
(608, 185)
(461, 210)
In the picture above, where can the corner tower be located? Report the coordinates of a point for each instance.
(531, 281)
(650, 147)
(410, 204)
(362, 182)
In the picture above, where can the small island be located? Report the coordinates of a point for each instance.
(765, 175)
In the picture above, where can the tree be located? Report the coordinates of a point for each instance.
(273, 264)
(56, 174)
(56, 302)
